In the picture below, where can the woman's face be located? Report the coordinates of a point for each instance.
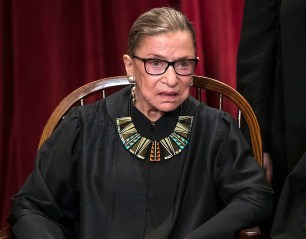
(156, 95)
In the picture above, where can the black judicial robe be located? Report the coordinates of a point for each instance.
(271, 74)
(87, 185)
(290, 217)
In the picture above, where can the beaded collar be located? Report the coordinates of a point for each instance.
(154, 149)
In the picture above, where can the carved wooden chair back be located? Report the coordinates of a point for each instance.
(106, 86)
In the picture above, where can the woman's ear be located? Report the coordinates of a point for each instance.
(128, 63)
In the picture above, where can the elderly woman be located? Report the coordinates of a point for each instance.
(148, 161)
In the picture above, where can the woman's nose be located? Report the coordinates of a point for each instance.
(171, 76)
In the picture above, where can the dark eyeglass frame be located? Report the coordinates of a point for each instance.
(169, 63)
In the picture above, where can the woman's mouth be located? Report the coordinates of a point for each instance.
(168, 95)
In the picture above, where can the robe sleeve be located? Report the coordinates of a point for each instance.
(245, 197)
(45, 207)
(256, 61)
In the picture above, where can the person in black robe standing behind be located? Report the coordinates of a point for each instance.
(290, 221)
(271, 74)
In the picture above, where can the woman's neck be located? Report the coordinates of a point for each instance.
(151, 114)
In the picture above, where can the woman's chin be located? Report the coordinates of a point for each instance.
(167, 107)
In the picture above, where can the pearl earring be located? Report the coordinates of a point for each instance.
(131, 79)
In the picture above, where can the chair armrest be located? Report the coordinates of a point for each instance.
(6, 233)
(250, 233)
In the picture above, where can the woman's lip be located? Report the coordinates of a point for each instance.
(168, 94)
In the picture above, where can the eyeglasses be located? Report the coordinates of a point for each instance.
(155, 67)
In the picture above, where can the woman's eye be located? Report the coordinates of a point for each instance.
(184, 63)
(156, 62)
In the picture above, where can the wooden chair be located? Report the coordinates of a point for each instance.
(103, 86)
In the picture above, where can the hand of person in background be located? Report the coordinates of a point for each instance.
(268, 166)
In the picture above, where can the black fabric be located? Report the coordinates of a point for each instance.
(271, 74)
(28, 227)
(158, 130)
(290, 217)
(86, 183)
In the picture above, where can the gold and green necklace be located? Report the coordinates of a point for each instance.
(158, 150)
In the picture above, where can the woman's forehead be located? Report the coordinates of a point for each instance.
(179, 41)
